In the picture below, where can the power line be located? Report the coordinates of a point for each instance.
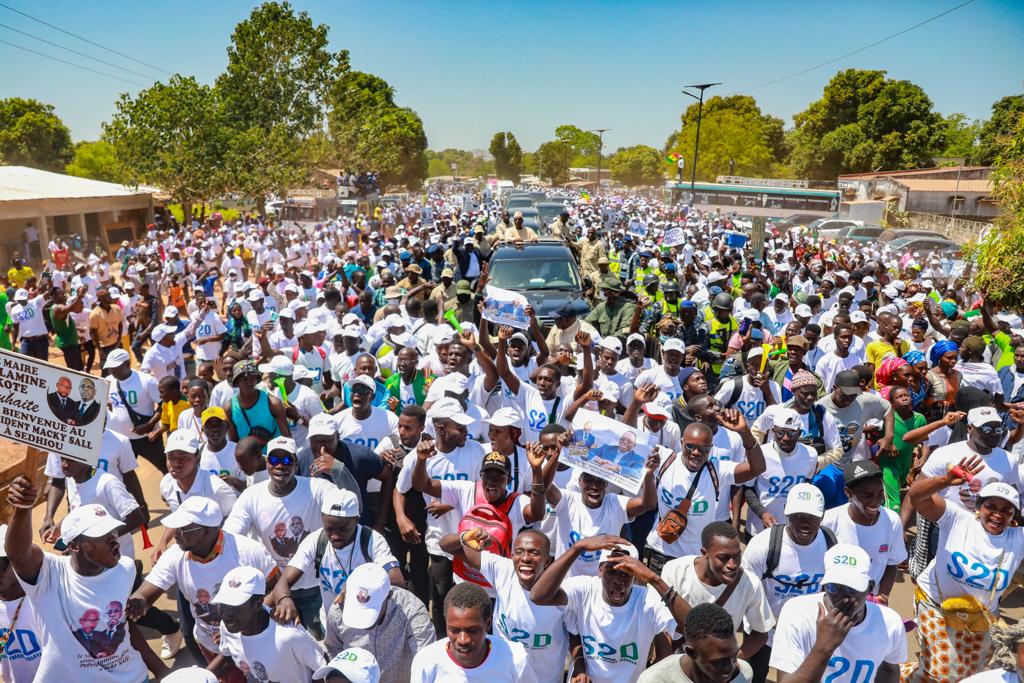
(64, 61)
(91, 42)
(80, 54)
(860, 49)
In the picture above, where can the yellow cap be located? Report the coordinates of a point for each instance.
(214, 411)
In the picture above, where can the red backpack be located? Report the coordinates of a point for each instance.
(495, 521)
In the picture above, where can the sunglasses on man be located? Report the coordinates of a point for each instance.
(281, 460)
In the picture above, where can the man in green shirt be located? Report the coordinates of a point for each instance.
(612, 316)
(5, 322)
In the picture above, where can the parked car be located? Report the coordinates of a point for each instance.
(863, 233)
(895, 233)
(549, 211)
(830, 228)
(517, 202)
(924, 244)
(544, 272)
(795, 220)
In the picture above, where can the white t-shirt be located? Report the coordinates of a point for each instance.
(540, 629)
(142, 393)
(782, 472)
(280, 653)
(192, 424)
(505, 663)
(747, 605)
(970, 561)
(461, 464)
(883, 540)
(667, 384)
(616, 640)
(831, 365)
(878, 639)
(994, 676)
(116, 457)
(210, 326)
(336, 565)
(23, 652)
(199, 581)
(727, 445)
(206, 484)
(281, 523)
(369, 432)
(539, 413)
(81, 624)
(574, 521)
(829, 429)
(705, 506)
(316, 360)
(220, 462)
(461, 495)
(751, 401)
(998, 467)
(799, 571)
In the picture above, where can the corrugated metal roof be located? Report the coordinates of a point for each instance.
(944, 185)
(21, 183)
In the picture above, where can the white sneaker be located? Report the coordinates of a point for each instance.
(171, 645)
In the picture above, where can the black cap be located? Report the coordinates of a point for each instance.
(496, 461)
(858, 470)
(848, 381)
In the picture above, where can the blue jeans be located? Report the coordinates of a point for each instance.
(36, 347)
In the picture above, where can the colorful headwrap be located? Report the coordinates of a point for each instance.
(940, 349)
(913, 356)
(888, 366)
(803, 379)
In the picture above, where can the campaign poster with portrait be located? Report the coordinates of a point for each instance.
(51, 407)
(608, 449)
(503, 307)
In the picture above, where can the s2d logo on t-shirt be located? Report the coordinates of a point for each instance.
(333, 581)
(628, 653)
(531, 641)
(780, 486)
(698, 507)
(22, 644)
(584, 556)
(537, 419)
(801, 584)
(750, 409)
(369, 443)
(976, 574)
(863, 671)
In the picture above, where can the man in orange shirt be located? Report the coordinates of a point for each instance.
(106, 324)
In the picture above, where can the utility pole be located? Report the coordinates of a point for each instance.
(600, 146)
(696, 143)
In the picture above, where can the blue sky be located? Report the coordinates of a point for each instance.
(472, 68)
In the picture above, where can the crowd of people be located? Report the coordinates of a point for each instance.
(364, 479)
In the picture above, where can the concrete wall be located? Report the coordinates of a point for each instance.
(956, 229)
(942, 203)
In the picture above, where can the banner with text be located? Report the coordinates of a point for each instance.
(504, 307)
(608, 449)
(51, 407)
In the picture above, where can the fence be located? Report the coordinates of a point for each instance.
(957, 229)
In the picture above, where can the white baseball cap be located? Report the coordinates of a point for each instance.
(661, 407)
(322, 424)
(351, 331)
(278, 365)
(194, 510)
(787, 418)
(609, 391)
(255, 295)
(340, 503)
(858, 317)
(364, 380)
(366, 590)
(190, 674)
(281, 443)
(449, 409)
(182, 440)
(90, 520)
(620, 549)
(161, 331)
(805, 498)
(170, 312)
(998, 489)
(240, 584)
(611, 343)
(673, 344)
(636, 337)
(355, 664)
(115, 358)
(983, 415)
(847, 565)
(506, 417)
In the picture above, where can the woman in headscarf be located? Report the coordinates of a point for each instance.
(918, 385)
(943, 379)
(892, 371)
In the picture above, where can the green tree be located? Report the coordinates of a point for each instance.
(31, 134)
(172, 136)
(369, 131)
(960, 135)
(1000, 254)
(467, 163)
(96, 160)
(508, 156)
(726, 134)
(865, 121)
(637, 165)
(552, 159)
(583, 143)
(1005, 114)
(272, 91)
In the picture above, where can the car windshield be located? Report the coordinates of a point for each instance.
(533, 274)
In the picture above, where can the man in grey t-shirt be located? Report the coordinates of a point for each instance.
(852, 409)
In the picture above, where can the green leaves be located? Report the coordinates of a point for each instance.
(95, 160)
(553, 160)
(31, 134)
(508, 156)
(732, 128)
(638, 165)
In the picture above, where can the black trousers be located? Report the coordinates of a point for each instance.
(154, 618)
(153, 451)
(656, 561)
(73, 357)
(441, 581)
(414, 560)
(759, 663)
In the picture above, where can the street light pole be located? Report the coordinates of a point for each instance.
(696, 143)
(600, 146)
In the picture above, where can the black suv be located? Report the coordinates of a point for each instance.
(545, 272)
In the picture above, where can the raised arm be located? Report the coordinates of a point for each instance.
(647, 499)
(586, 344)
(25, 557)
(421, 481)
(924, 492)
(504, 371)
(754, 465)
(546, 589)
